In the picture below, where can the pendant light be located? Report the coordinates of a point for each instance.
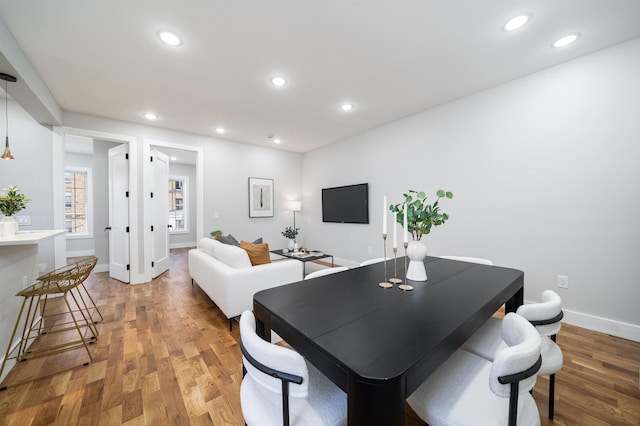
(7, 78)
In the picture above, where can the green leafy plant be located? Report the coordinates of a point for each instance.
(216, 233)
(421, 216)
(290, 233)
(13, 201)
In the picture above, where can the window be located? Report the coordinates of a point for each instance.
(77, 202)
(178, 202)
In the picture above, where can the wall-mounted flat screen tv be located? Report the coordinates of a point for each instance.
(346, 204)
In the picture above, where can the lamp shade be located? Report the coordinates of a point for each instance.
(295, 206)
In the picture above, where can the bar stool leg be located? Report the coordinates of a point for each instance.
(86, 315)
(75, 322)
(13, 334)
(95, 307)
(28, 325)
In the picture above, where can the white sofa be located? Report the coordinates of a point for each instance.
(225, 273)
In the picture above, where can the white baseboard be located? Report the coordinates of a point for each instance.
(183, 245)
(600, 324)
(81, 253)
(101, 268)
(603, 325)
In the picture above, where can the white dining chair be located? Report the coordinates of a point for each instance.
(280, 388)
(326, 271)
(469, 390)
(478, 260)
(375, 260)
(545, 316)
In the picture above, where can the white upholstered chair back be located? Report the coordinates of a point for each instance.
(477, 260)
(549, 307)
(522, 351)
(327, 271)
(372, 261)
(277, 357)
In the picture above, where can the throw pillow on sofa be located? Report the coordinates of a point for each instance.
(229, 239)
(258, 253)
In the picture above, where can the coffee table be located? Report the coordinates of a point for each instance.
(309, 256)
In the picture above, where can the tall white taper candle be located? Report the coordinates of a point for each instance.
(384, 215)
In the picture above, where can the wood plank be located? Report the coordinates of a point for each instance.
(165, 355)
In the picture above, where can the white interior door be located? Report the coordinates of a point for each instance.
(119, 213)
(160, 212)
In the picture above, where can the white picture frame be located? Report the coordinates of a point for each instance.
(260, 197)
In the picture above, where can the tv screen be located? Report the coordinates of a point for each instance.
(346, 204)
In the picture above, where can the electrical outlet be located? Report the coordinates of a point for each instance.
(563, 281)
(25, 281)
(23, 220)
(369, 250)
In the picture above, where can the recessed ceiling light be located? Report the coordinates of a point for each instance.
(221, 130)
(515, 23)
(173, 158)
(278, 81)
(346, 107)
(170, 38)
(566, 40)
(150, 116)
(273, 139)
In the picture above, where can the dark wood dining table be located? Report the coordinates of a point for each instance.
(378, 345)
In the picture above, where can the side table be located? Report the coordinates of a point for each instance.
(305, 257)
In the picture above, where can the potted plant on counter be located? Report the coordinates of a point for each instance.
(12, 201)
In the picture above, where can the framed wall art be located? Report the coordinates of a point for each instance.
(260, 197)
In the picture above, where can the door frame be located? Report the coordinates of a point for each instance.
(147, 145)
(135, 276)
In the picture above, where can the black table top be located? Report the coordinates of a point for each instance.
(292, 255)
(346, 320)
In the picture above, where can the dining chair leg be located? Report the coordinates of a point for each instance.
(552, 388)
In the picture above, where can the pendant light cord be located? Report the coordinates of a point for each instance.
(6, 108)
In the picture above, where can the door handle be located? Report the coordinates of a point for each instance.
(108, 228)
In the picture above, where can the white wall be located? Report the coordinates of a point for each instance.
(227, 167)
(32, 173)
(545, 172)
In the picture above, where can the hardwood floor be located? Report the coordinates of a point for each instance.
(165, 356)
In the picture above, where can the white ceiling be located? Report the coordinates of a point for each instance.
(390, 58)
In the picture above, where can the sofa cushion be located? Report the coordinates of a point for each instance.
(208, 246)
(258, 253)
(232, 256)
